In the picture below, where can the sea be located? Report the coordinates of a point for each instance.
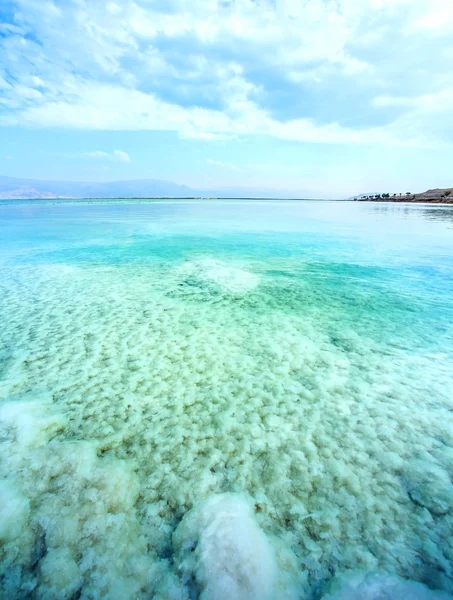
(226, 399)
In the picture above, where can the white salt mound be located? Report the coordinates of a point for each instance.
(14, 512)
(60, 574)
(220, 547)
(91, 540)
(227, 278)
(356, 585)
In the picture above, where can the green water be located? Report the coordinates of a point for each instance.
(154, 355)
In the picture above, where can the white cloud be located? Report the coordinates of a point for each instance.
(101, 108)
(212, 71)
(388, 101)
(431, 103)
(438, 16)
(115, 156)
(191, 133)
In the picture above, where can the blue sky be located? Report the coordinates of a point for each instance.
(334, 97)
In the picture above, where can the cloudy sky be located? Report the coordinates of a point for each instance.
(335, 97)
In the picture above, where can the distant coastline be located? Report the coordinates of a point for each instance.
(403, 199)
(437, 195)
(13, 188)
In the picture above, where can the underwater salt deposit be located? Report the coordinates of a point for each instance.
(248, 400)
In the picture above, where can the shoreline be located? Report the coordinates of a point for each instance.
(415, 199)
(434, 195)
(442, 201)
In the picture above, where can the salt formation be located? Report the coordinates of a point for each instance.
(14, 515)
(429, 485)
(220, 547)
(218, 275)
(136, 388)
(379, 586)
(83, 534)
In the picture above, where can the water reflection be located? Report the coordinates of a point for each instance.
(439, 213)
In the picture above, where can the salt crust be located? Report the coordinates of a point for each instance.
(125, 408)
(213, 273)
(379, 586)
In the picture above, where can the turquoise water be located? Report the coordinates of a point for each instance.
(184, 383)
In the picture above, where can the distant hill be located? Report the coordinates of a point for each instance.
(444, 196)
(13, 188)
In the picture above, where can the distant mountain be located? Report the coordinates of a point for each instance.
(362, 195)
(14, 188)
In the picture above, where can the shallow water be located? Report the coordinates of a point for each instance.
(156, 354)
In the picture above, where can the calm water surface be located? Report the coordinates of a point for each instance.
(155, 356)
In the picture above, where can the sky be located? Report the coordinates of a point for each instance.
(328, 98)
